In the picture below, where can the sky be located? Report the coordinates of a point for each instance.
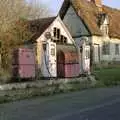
(54, 5)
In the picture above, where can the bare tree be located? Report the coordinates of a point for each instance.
(12, 10)
(37, 10)
(13, 25)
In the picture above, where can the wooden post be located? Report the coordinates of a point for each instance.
(0, 55)
(91, 57)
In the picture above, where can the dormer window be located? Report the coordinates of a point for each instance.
(104, 29)
(103, 22)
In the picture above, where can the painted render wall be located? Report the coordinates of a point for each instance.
(39, 45)
(113, 42)
(98, 40)
(74, 23)
(57, 23)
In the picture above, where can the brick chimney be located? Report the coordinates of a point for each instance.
(98, 3)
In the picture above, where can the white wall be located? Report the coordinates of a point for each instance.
(99, 41)
(113, 42)
(59, 24)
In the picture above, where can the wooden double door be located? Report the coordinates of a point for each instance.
(60, 64)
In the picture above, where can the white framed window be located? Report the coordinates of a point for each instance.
(106, 48)
(105, 29)
(117, 49)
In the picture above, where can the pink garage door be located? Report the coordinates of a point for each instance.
(67, 64)
(23, 56)
(24, 63)
(72, 70)
(26, 71)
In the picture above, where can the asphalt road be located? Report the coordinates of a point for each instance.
(94, 104)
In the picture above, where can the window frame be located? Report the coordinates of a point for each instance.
(56, 32)
(117, 49)
(105, 29)
(106, 48)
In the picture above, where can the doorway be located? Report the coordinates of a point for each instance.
(60, 64)
(96, 53)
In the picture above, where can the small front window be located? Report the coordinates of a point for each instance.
(56, 33)
(53, 51)
(58, 37)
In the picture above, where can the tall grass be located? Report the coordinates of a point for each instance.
(5, 76)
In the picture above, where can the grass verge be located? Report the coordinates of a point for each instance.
(48, 90)
(108, 77)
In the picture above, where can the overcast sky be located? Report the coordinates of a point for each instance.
(54, 5)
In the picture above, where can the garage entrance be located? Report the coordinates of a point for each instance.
(60, 64)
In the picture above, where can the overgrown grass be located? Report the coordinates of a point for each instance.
(108, 76)
(5, 76)
(48, 90)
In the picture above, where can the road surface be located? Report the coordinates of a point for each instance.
(94, 104)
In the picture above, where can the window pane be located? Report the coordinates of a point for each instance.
(105, 29)
(65, 40)
(106, 49)
(54, 32)
(62, 38)
(58, 33)
(117, 49)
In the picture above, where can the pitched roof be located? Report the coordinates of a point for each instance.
(89, 12)
(37, 27)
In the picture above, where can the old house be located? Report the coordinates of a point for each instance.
(56, 51)
(90, 20)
